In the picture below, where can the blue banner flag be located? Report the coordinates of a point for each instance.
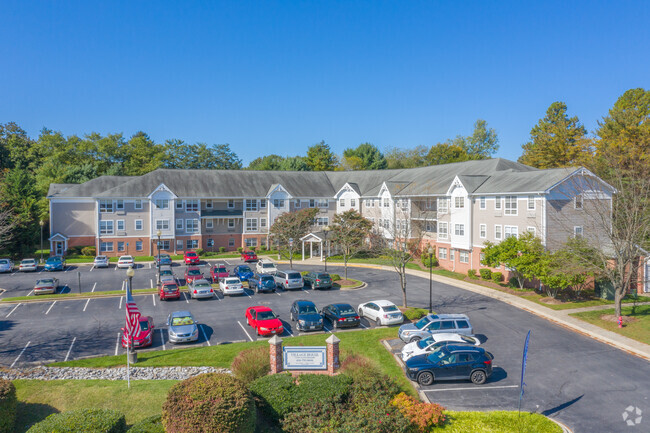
(523, 370)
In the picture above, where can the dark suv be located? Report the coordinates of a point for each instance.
(451, 363)
(318, 280)
(307, 316)
(262, 283)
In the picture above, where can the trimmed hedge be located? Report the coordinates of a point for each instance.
(471, 273)
(82, 420)
(486, 274)
(89, 251)
(209, 402)
(412, 313)
(497, 277)
(222, 249)
(152, 424)
(8, 404)
(335, 277)
(429, 262)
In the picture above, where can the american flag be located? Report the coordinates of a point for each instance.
(132, 317)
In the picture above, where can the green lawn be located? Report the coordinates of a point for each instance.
(497, 422)
(639, 330)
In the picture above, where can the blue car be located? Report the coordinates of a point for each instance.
(55, 263)
(262, 283)
(243, 272)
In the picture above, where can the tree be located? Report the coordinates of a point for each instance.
(519, 254)
(140, 155)
(320, 157)
(407, 158)
(294, 163)
(349, 231)
(268, 162)
(15, 146)
(19, 203)
(7, 226)
(556, 141)
(288, 228)
(556, 272)
(483, 142)
(366, 157)
(445, 153)
(200, 156)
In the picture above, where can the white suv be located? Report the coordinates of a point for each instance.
(265, 267)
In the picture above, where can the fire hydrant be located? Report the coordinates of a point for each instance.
(620, 321)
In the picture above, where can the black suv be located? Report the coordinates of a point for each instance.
(451, 363)
(307, 316)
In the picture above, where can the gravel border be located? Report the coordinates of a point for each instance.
(83, 373)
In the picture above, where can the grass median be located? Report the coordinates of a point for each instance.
(638, 329)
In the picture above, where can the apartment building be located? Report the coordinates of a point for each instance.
(454, 208)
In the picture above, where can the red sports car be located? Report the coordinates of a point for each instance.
(169, 290)
(193, 273)
(219, 271)
(191, 258)
(264, 320)
(249, 256)
(145, 337)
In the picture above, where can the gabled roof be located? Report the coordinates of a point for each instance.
(95, 186)
(472, 182)
(537, 181)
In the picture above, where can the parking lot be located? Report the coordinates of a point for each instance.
(582, 382)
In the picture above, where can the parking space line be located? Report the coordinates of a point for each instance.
(91, 268)
(226, 262)
(289, 331)
(247, 334)
(30, 293)
(327, 329)
(363, 326)
(19, 355)
(48, 310)
(121, 300)
(162, 338)
(117, 343)
(149, 265)
(116, 267)
(472, 388)
(185, 295)
(123, 283)
(94, 285)
(14, 309)
(151, 282)
(87, 301)
(153, 298)
(276, 292)
(67, 268)
(305, 291)
(204, 336)
(70, 349)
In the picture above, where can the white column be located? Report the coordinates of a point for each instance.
(321, 251)
(303, 250)
(311, 250)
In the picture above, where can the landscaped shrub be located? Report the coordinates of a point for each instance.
(89, 251)
(497, 277)
(199, 251)
(251, 364)
(8, 403)
(152, 424)
(335, 277)
(222, 249)
(429, 261)
(415, 313)
(303, 273)
(240, 250)
(486, 274)
(210, 402)
(358, 367)
(262, 248)
(82, 420)
(423, 416)
(471, 273)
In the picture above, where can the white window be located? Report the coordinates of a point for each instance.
(119, 204)
(463, 256)
(322, 221)
(577, 202)
(531, 202)
(191, 205)
(531, 230)
(251, 205)
(497, 202)
(179, 204)
(162, 203)
(431, 226)
(208, 204)
(443, 205)
(179, 245)
(192, 225)
(263, 203)
(162, 224)
(511, 205)
(443, 230)
(452, 254)
(106, 227)
(179, 224)
(442, 253)
(262, 222)
(353, 202)
(483, 230)
(210, 242)
(120, 246)
(404, 203)
(497, 232)
(459, 202)
(278, 202)
(231, 242)
(231, 204)
(459, 229)
(138, 224)
(342, 202)
(482, 202)
(398, 225)
(106, 206)
(209, 224)
(120, 225)
(323, 202)
(312, 202)
(510, 231)
(231, 223)
(386, 202)
(386, 223)
(577, 231)
(137, 204)
(251, 224)
(192, 244)
(297, 204)
(138, 245)
(251, 242)
(106, 247)
(431, 203)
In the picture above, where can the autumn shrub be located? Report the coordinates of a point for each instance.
(210, 402)
(486, 274)
(423, 416)
(8, 404)
(497, 277)
(82, 420)
(251, 364)
(89, 251)
(358, 367)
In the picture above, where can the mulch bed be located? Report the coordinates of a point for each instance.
(613, 318)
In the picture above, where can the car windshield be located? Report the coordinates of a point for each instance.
(221, 269)
(4, 262)
(126, 258)
(170, 287)
(46, 281)
(307, 309)
(202, 286)
(265, 315)
(244, 269)
(389, 308)
(249, 253)
(267, 278)
(180, 321)
(191, 254)
(100, 258)
(467, 339)
(232, 281)
(144, 325)
(423, 343)
(293, 275)
(346, 309)
(28, 262)
(268, 265)
(436, 356)
(323, 276)
(422, 322)
(53, 260)
(194, 272)
(164, 257)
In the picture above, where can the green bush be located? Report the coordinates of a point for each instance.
(335, 277)
(471, 273)
(497, 277)
(152, 424)
(222, 249)
(199, 251)
(429, 261)
(262, 248)
(251, 364)
(486, 274)
(89, 251)
(209, 402)
(358, 367)
(415, 313)
(82, 420)
(8, 403)
(240, 250)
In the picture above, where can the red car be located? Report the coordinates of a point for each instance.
(193, 273)
(249, 256)
(169, 290)
(264, 320)
(219, 271)
(191, 258)
(145, 338)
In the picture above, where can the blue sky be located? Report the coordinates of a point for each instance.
(279, 76)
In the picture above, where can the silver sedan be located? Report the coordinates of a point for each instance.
(182, 327)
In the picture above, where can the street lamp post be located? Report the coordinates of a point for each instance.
(158, 233)
(131, 356)
(41, 223)
(326, 231)
(430, 251)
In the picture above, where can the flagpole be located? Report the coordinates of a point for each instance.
(128, 348)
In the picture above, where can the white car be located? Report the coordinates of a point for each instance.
(383, 312)
(28, 265)
(125, 262)
(265, 267)
(231, 286)
(100, 262)
(432, 343)
(6, 265)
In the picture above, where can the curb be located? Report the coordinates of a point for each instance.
(359, 287)
(564, 427)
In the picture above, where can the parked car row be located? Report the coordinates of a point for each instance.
(53, 263)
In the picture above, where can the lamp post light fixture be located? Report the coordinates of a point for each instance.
(41, 223)
(326, 231)
(430, 251)
(158, 233)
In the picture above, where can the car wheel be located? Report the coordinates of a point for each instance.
(425, 378)
(478, 377)
(377, 321)
(335, 324)
(257, 331)
(414, 339)
(360, 312)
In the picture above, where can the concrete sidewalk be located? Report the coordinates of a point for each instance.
(560, 317)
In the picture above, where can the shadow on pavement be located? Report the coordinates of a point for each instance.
(549, 412)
